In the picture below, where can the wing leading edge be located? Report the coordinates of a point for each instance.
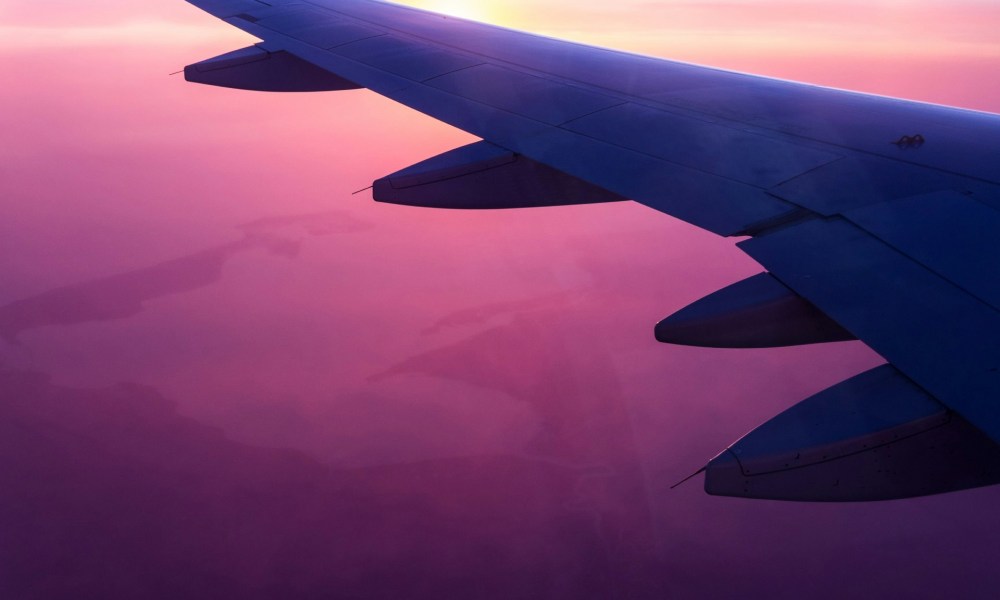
(876, 218)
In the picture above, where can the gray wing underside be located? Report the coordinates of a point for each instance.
(882, 213)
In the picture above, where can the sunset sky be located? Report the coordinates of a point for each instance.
(224, 375)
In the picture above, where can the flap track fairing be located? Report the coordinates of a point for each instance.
(254, 68)
(758, 312)
(876, 436)
(483, 176)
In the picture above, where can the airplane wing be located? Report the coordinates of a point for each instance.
(877, 219)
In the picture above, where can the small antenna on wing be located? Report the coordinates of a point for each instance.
(362, 190)
(689, 477)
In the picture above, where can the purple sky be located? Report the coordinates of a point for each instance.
(224, 376)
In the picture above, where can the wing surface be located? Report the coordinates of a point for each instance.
(883, 213)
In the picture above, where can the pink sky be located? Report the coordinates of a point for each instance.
(932, 50)
(204, 244)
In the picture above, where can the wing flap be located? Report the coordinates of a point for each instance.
(858, 181)
(937, 334)
(950, 233)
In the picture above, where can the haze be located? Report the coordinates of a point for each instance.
(224, 375)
